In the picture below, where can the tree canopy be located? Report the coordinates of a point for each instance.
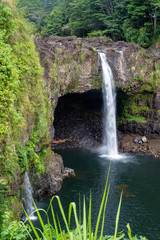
(130, 20)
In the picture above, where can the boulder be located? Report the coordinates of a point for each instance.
(144, 139)
(49, 183)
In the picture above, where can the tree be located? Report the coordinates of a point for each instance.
(37, 10)
(81, 19)
(141, 23)
(130, 20)
(54, 22)
(155, 6)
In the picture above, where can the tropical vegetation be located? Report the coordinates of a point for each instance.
(24, 103)
(24, 97)
(130, 20)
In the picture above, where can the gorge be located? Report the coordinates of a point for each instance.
(72, 71)
(51, 101)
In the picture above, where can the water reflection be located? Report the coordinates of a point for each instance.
(139, 176)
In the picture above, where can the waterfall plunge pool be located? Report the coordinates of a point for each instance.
(139, 176)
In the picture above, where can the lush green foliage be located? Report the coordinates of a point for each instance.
(36, 10)
(24, 107)
(130, 111)
(24, 104)
(129, 20)
(3, 201)
(14, 230)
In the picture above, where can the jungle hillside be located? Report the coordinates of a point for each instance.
(129, 20)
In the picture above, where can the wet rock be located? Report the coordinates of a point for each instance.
(75, 64)
(79, 118)
(157, 100)
(49, 183)
(72, 65)
(68, 172)
(151, 147)
(137, 140)
(140, 140)
(150, 128)
(155, 49)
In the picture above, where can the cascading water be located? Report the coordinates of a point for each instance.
(109, 147)
(27, 195)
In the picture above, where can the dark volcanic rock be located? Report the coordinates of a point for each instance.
(72, 65)
(49, 183)
(149, 128)
(78, 118)
(157, 101)
(151, 147)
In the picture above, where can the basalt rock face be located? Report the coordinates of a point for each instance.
(72, 65)
(131, 65)
(49, 183)
(69, 65)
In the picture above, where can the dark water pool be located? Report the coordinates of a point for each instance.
(138, 175)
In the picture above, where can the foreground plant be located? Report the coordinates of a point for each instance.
(82, 231)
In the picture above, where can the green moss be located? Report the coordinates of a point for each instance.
(81, 58)
(15, 205)
(59, 50)
(94, 51)
(97, 81)
(146, 54)
(152, 83)
(139, 79)
(73, 84)
(131, 118)
(68, 59)
(133, 108)
(78, 42)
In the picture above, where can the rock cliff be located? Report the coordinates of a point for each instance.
(72, 65)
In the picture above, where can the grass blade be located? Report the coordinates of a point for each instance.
(101, 206)
(76, 220)
(41, 221)
(117, 217)
(69, 213)
(89, 218)
(60, 229)
(63, 214)
(84, 219)
(32, 226)
(79, 209)
(55, 223)
(129, 232)
(104, 211)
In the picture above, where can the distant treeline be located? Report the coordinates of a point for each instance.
(130, 20)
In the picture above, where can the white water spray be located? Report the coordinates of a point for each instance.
(109, 147)
(27, 196)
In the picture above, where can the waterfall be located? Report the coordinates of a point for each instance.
(27, 195)
(109, 147)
